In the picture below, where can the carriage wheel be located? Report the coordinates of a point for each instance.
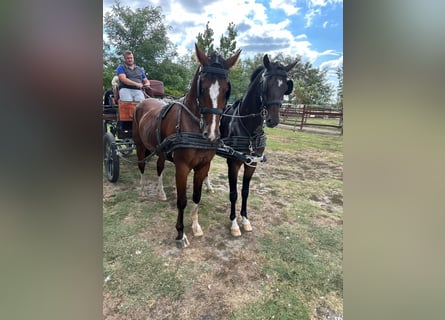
(111, 159)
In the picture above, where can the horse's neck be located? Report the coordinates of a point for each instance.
(251, 102)
(191, 103)
(190, 99)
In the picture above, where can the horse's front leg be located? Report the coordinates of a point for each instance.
(160, 164)
(247, 177)
(181, 202)
(233, 169)
(198, 178)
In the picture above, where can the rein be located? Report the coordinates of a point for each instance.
(262, 113)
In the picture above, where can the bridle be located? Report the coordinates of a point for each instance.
(218, 71)
(263, 85)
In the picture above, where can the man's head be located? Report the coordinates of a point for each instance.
(129, 59)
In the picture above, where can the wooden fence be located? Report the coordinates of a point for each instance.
(302, 115)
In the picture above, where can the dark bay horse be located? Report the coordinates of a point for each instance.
(185, 132)
(242, 129)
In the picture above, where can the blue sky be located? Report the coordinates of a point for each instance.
(312, 29)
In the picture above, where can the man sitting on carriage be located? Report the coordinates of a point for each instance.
(132, 79)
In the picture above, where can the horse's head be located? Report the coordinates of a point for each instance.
(274, 85)
(213, 89)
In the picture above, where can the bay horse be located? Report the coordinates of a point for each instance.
(185, 132)
(242, 131)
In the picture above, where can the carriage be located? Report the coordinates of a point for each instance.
(117, 119)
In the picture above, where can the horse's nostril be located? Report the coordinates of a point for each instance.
(271, 123)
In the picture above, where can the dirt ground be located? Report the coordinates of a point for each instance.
(232, 265)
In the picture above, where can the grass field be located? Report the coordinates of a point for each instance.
(289, 267)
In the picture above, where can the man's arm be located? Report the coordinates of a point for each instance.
(145, 81)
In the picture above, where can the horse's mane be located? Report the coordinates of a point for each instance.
(216, 60)
(256, 72)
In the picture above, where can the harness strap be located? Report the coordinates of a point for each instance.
(215, 70)
(211, 110)
(244, 143)
(229, 152)
(181, 139)
(186, 140)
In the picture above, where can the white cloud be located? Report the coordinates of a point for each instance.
(289, 7)
(310, 15)
(301, 36)
(319, 3)
(323, 3)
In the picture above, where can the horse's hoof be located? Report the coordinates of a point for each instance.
(183, 243)
(197, 232)
(246, 226)
(162, 197)
(210, 190)
(235, 232)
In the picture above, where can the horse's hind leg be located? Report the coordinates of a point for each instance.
(141, 154)
(160, 164)
(208, 184)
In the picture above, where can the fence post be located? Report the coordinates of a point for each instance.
(302, 117)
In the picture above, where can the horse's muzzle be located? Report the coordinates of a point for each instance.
(210, 137)
(271, 123)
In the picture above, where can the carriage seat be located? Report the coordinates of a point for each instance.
(126, 108)
(156, 89)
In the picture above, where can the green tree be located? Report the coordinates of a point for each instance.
(110, 62)
(311, 86)
(227, 43)
(205, 40)
(339, 73)
(144, 33)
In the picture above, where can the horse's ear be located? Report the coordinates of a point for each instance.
(290, 87)
(201, 56)
(290, 66)
(233, 59)
(266, 61)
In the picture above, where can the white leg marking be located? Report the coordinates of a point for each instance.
(160, 189)
(234, 229)
(197, 231)
(142, 185)
(214, 92)
(209, 187)
(183, 243)
(246, 224)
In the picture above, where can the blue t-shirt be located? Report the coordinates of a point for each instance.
(136, 75)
